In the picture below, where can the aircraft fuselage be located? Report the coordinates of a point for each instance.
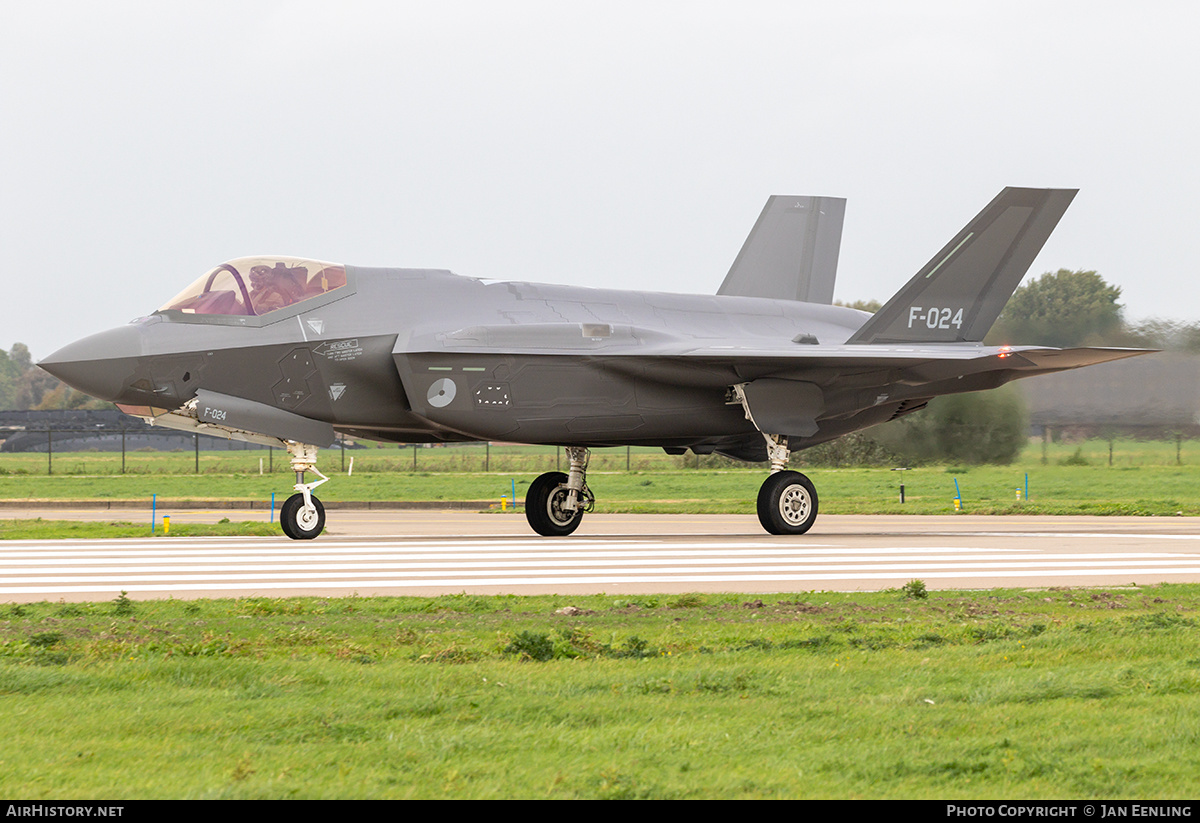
(415, 355)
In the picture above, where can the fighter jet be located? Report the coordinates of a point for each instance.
(289, 352)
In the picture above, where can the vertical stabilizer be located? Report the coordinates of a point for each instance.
(957, 296)
(792, 251)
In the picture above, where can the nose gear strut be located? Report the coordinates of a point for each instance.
(302, 516)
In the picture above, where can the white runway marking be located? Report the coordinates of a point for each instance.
(236, 566)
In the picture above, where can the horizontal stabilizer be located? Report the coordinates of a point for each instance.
(1047, 361)
(957, 296)
(792, 251)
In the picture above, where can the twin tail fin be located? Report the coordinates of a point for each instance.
(957, 296)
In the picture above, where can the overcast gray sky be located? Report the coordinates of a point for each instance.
(629, 145)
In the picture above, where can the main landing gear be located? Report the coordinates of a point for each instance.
(556, 502)
(302, 516)
(787, 500)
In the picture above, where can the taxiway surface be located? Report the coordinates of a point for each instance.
(426, 553)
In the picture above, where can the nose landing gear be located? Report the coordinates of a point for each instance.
(302, 516)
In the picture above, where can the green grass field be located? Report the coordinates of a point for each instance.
(1144, 479)
(1013, 694)
(1048, 694)
(40, 529)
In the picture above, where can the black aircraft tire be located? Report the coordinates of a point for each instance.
(296, 524)
(543, 506)
(787, 503)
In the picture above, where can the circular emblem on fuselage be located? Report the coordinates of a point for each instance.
(441, 392)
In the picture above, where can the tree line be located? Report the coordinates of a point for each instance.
(1078, 308)
(25, 387)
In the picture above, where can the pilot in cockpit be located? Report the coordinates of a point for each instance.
(274, 288)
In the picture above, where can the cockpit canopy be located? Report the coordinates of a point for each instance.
(254, 286)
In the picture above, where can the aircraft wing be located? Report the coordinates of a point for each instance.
(613, 384)
(563, 354)
(603, 342)
(1026, 359)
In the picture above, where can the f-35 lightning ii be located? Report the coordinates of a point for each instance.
(288, 352)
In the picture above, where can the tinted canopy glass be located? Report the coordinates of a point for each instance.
(256, 286)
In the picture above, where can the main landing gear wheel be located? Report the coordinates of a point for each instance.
(787, 503)
(544, 506)
(300, 523)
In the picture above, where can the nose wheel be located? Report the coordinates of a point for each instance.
(301, 521)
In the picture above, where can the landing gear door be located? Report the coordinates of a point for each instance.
(785, 407)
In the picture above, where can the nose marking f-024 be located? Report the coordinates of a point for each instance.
(441, 392)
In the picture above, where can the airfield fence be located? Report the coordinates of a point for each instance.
(107, 452)
(134, 451)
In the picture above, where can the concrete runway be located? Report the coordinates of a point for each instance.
(430, 552)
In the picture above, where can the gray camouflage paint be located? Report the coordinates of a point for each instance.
(422, 355)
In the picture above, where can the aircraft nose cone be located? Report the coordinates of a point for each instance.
(100, 364)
